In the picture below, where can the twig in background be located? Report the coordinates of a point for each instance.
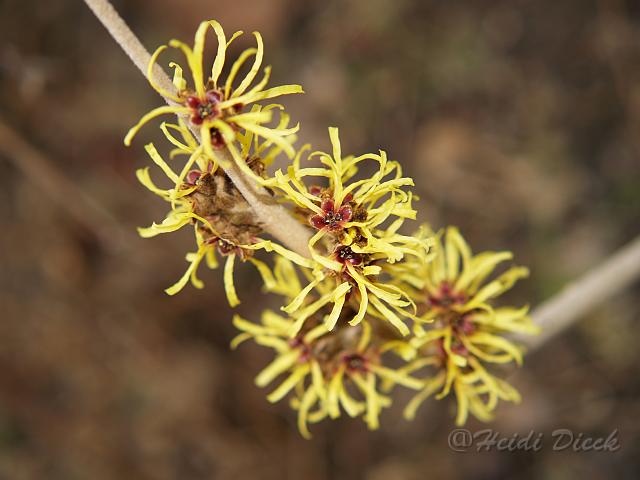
(85, 209)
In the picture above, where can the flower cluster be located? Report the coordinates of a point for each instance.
(203, 196)
(327, 371)
(366, 308)
(356, 222)
(213, 107)
(459, 328)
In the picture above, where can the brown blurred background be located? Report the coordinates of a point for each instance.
(519, 120)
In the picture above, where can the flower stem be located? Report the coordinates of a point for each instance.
(273, 217)
(598, 285)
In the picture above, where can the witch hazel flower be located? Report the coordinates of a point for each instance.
(338, 203)
(332, 218)
(251, 152)
(203, 196)
(213, 107)
(325, 372)
(455, 293)
(365, 306)
(356, 221)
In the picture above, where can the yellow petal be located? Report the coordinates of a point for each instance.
(229, 287)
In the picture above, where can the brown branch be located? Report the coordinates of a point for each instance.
(271, 216)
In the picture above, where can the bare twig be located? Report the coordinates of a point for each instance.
(273, 217)
(81, 206)
(603, 282)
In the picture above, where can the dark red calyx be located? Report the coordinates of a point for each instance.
(355, 362)
(446, 297)
(226, 248)
(305, 351)
(465, 325)
(192, 177)
(217, 140)
(203, 108)
(331, 218)
(344, 255)
(457, 347)
(315, 190)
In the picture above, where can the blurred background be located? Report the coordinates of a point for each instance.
(519, 120)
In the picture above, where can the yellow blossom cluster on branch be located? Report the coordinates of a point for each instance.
(367, 307)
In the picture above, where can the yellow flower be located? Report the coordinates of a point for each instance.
(223, 221)
(352, 210)
(254, 149)
(213, 107)
(353, 282)
(181, 212)
(351, 246)
(252, 153)
(476, 390)
(207, 249)
(365, 290)
(456, 293)
(325, 372)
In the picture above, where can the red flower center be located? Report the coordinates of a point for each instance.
(446, 297)
(192, 177)
(226, 248)
(355, 362)
(456, 347)
(305, 350)
(463, 325)
(331, 219)
(204, 108)
(345, 255)
(217, 140)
